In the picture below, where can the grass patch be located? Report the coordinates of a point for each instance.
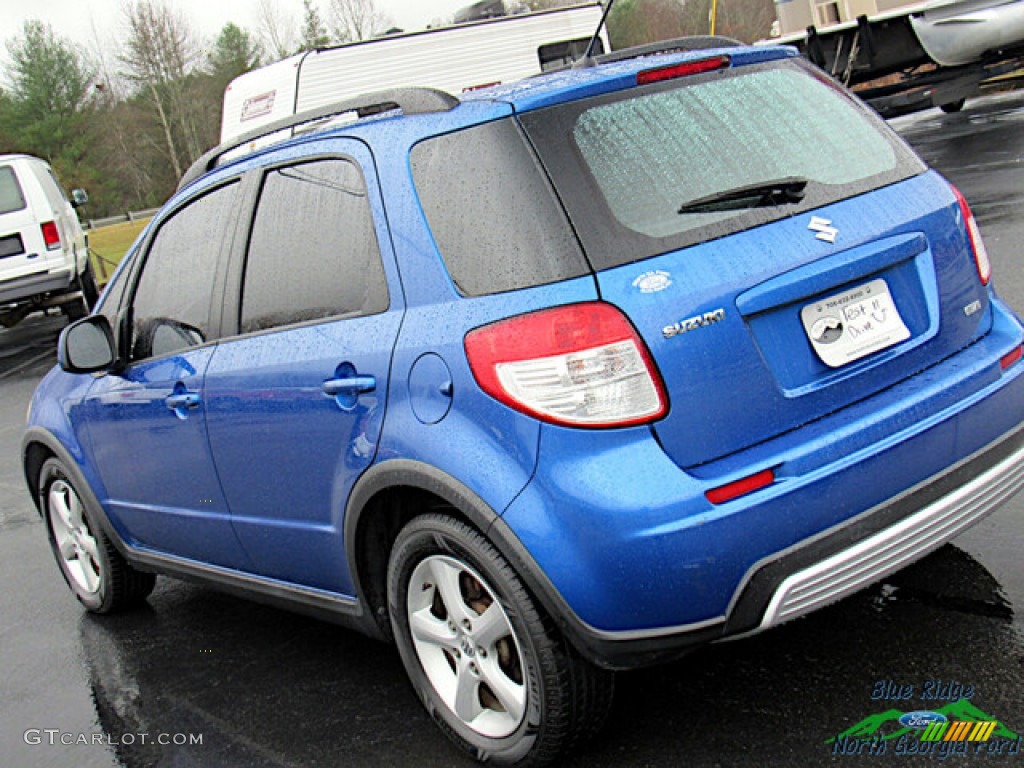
(109, 244)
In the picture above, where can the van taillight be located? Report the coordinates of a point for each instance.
(51, 235)
(581, 365)
(981, 260)
(682, 70)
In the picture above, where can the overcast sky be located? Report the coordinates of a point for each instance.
(76, 19)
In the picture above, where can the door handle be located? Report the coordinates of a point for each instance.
(184, 400)
(355, 385)
(181, 401)
(346, 389)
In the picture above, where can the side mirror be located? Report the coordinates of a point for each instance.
(79, 197)
(87, 346)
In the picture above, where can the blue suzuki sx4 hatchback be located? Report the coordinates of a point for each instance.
(541, 382)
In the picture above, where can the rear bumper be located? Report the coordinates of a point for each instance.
(818, 571)
(35, 285)
(639, 568)
(851, 557)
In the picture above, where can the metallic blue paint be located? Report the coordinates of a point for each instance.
(759, 354)
(160, 477)
(630, 542)
(611, 527)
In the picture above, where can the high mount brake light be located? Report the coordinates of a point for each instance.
(981, 259)
(685, 69)
(581, 365)
(51, 235)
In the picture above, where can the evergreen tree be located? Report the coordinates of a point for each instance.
(45, 112)
(234, 52)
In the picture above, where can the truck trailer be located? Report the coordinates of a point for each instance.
(454, 58)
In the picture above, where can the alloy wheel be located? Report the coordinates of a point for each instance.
(466, 646)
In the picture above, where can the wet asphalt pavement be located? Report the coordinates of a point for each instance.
(261, 687)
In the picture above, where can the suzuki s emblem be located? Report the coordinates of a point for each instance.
(824, 228)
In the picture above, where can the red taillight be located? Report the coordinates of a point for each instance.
(1007, 360)
(580, 365)
(974, 236)
(51, 235)
(741, 487)
(685, 69)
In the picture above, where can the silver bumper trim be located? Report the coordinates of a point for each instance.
(897, 546)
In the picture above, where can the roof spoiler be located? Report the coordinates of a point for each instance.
(411, 101)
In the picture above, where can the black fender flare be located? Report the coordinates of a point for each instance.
(49, 441)
(609, 650)
(395, 473)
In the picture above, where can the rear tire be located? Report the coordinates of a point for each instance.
(87, 282)
(488, 665)
(79, 308)
(95, 571)
(953, 106)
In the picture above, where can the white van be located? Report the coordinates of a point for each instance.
(44, 257)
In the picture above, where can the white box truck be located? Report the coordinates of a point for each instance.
(453, 59)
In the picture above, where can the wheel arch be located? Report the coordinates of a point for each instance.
(34, 455)
(394, 492)
(40, 444)
(385, 498)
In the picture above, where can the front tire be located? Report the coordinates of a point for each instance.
(95, 571)
(489, 666)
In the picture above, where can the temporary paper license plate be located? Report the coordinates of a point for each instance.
(853, 324)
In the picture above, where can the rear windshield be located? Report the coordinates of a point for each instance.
(639, 171)
(11, 197)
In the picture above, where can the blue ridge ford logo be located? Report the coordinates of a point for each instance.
(921, 719)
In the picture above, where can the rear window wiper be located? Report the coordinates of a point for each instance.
(786, 190)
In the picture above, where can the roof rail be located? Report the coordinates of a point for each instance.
(411, 101)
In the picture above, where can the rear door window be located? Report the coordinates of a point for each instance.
(11, 197)
(313, 252)
(630, 165)
(51, 188)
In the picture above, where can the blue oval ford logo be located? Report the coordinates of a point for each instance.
(921, 719)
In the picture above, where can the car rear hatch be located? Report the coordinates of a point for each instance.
(782, 253)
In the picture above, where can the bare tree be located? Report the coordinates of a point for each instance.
(103, 49)
(634, 22)
(355, 20)
(161, 54)
(746, 20)
(277, 30)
